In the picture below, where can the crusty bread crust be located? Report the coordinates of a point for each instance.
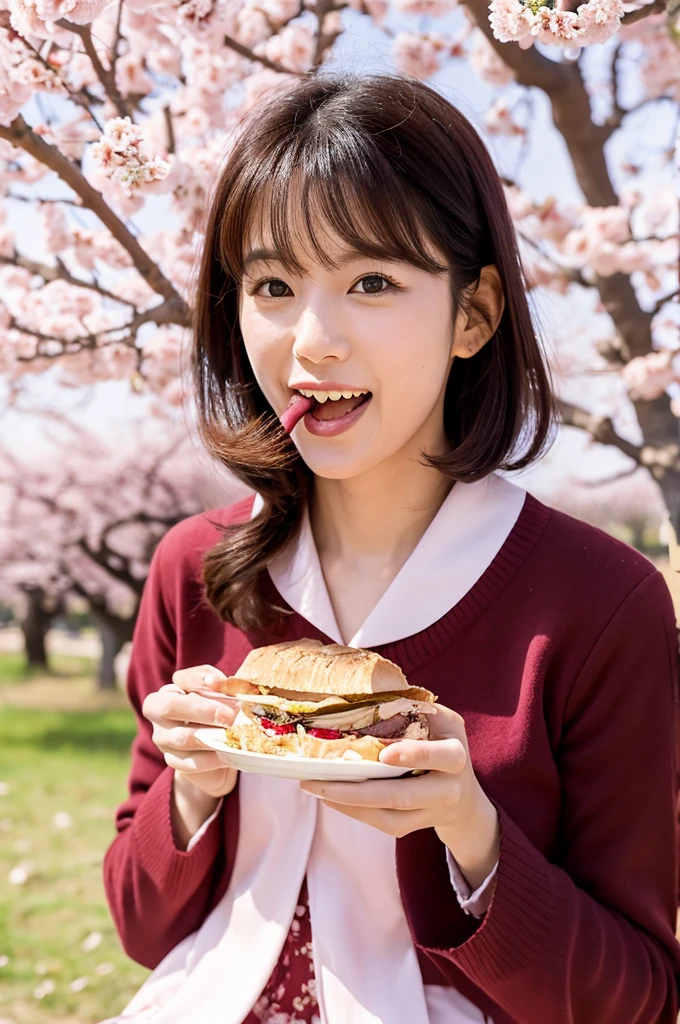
(312, 667)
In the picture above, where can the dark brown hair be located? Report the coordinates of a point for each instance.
(393, 169)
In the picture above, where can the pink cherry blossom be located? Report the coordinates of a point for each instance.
(293, 47)
(499, 119)
(252, 26)
(280, 11)
(488, 64)
(599, 20)
(131, 76)
(647, 377)
(429, 8)
(120, 159)
(415, 55)
(55, 226)
(510, 20)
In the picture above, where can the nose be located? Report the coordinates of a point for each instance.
(318, 339)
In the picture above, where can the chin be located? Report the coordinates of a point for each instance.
(338, 465)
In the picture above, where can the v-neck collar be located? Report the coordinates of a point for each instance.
(460, 543)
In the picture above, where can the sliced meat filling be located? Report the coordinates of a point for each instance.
(411, 726)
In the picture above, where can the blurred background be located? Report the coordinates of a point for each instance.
(114, 117)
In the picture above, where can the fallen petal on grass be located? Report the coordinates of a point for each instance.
(20, 874)
(104, 968)
(45, 988)
(22, 846)
(4, 960)
(6, 824)
(91, 942)
(62, 820)
(4, 788)
(78, 984)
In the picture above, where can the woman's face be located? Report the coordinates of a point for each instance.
(380, 328)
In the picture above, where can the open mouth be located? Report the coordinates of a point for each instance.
(332, 405)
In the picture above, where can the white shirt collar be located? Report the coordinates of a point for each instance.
(460, 543)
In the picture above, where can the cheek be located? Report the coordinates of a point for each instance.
(265, 354)
(412, 361)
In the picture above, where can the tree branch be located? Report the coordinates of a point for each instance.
(59, 272)
(169, 127)
(600, 428)
(657, 459)
(657, 7)
(249, 54)
(20, 134)
(160, 314)
(106, 76)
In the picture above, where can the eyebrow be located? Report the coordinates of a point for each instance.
(272, 256)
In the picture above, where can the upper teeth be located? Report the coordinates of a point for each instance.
(323, 396)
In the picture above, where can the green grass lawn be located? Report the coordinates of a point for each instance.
(63, 773)
(13, 667)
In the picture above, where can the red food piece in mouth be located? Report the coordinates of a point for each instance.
(278, 729)
(298, 407)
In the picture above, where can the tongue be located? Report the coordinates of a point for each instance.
(330, 410)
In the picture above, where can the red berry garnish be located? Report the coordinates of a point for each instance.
(325, 734)
(278, 729)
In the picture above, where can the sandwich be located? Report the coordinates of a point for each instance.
(311, 699)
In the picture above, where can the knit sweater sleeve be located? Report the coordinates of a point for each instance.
(157, 893)
(588, 934)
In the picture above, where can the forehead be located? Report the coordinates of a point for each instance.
(301, 237)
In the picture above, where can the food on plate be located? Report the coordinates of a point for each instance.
(311, 699)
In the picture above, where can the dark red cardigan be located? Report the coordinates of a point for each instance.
(562, 660)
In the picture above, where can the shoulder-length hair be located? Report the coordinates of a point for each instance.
(390, 166)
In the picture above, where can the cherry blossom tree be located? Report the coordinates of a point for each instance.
(86, 521)
(113, 112)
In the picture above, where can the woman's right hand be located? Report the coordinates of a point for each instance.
(176, 711)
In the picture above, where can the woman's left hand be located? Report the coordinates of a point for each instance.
(449, 798)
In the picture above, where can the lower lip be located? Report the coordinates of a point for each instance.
(331, 428)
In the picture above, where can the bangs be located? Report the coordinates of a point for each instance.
(338, 185)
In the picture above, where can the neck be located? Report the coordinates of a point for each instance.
(378, 516)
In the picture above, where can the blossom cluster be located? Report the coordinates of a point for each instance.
(599, 241)
(526, 23)
(118, 153)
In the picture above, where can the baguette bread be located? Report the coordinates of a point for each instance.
(316, 700)
(308, 666)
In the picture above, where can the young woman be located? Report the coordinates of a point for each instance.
(359, 250)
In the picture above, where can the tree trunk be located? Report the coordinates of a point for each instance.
(112, 640)
(35, 626)
(114, 633)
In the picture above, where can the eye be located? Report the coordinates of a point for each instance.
(373, 284)
(277, 288)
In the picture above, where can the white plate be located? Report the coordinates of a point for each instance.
(291, 767)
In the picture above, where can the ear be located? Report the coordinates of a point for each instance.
(479, 315)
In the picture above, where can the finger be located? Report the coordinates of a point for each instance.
(446, 724)
(446, 755)
(393, 823)
(198, 677)
(195, 761)
(402, 795)
(170, 738)
(191, 708)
